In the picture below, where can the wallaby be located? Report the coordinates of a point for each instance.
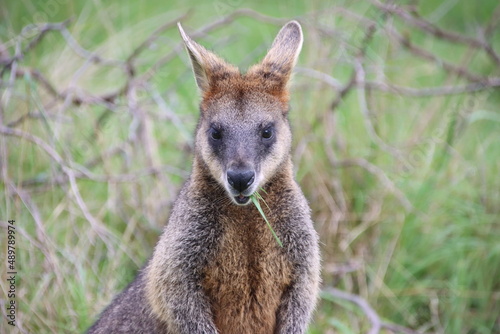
(217, 267)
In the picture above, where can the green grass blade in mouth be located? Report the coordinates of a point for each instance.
(255, 200)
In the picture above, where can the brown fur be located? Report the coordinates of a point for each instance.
(238, 84)
(249, 274)
(217, 267)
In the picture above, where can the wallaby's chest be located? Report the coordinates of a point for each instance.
(246, 277)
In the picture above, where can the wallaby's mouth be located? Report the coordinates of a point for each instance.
(241, 184)
(241, 199)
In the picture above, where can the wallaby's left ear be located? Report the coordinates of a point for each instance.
(276, 67)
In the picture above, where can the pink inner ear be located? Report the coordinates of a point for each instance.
(285, 48)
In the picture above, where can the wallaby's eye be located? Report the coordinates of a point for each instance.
(215, 134)
(267, 133)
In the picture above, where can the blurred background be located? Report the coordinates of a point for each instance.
(396, 121)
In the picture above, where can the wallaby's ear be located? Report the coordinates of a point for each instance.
(207, 67)
(276, 67)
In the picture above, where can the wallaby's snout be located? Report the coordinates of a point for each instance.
(240, 179)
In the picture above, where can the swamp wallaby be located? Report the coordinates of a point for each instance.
(217, 267)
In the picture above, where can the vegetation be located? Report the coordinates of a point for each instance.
(396, 120)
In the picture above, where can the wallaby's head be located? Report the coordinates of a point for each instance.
(243, 135)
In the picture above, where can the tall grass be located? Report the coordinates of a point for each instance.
(408, 218)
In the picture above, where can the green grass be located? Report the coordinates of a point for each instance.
(434, 267)
(256, 199)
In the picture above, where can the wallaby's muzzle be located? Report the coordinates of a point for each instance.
(240, 180)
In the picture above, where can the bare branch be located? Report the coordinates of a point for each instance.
(63, 96)
(495, 20)
(326, 78)
(363, 104)
(379, 173)
(90, 56)
(104, 233)
(99, 228)
(426, 55)
(376, 323)
(35, 140)
(433, 91)
(438, 32)
(42, 31)
(146, 43)
(373, 317)
(491, 83)
(370, 31)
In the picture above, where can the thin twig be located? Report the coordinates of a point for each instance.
(63, 96)
(433, 91)
(35, 140)
(438, 32)
(376, 323)
(492, 25)
(42, 31)
(491, 83)
(154, 36)
(379, 173)
(102, 231)
(363, 105)
(111, 179)
(370, 31)
(373, 317)
(326, 78)
(426, 55)
(90, 56)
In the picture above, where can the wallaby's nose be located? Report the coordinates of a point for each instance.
(239, 179)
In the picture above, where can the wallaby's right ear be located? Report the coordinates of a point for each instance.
(207, 67)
